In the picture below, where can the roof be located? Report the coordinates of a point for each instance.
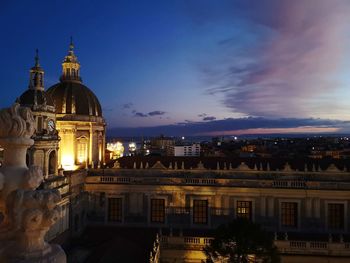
(227, 163)
(72, 97)
(35, 97)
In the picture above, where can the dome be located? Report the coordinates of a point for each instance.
(35, 97)
(72, 97)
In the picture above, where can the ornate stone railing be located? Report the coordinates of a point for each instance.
(289, 184)
(284, 246)
(248, 182)
(313, 247)
(183, 241)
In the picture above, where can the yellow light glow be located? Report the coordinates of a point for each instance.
(116, 148)
(67, 162)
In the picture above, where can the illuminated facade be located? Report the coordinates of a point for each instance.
(80, 124)
(44, 151)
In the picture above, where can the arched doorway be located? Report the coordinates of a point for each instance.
(52, 162)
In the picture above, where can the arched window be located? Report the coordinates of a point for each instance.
(82, 150)
(35, 79)
(52, 162)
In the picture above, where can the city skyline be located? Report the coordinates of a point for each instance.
(192, 67)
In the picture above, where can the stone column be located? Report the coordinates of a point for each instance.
(316, 206)
(308, 207)
(46, 163)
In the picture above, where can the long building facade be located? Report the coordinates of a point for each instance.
(311, 204)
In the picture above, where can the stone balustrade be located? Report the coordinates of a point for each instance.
(249, 182)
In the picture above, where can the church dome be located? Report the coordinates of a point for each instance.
(35, 97)
(72, 97)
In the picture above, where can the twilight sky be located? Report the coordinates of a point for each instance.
(190, 67)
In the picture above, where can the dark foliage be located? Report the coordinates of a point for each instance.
(242, 241)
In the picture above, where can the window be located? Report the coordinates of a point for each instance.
(82, 149)
(40, 124)
(115, 209)
(200, 211)
(289, 214)
(157, 210)
(244, 209)
(336, 216)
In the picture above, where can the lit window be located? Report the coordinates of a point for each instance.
(200, 211)
(289, 214)
(115, 209)
(157, 210)
(336, 216)
(244, 209)
(82, 147)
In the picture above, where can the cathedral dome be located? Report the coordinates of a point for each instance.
(72, 97)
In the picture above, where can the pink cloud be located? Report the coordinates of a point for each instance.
(295, 64)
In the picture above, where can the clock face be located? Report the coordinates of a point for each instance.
(51, 125)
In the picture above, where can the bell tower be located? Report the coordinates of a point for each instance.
(70, 66)
(36, 79)
(45, 149)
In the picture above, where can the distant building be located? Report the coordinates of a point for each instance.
(115, 150)
(193, 149)
(161, 145)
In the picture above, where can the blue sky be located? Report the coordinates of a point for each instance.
(186, 63)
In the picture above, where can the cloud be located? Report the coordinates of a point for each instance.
(127, 105)
(209, 118)
(296, 48)
(140, 114)
(206, 117)
(156, 113)
(150, 114)
(234, 126)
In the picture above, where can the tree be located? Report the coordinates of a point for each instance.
(242, 241)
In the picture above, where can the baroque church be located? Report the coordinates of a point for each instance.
(70, 128)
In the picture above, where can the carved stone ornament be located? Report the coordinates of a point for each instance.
(16, 122)
(26, 214)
